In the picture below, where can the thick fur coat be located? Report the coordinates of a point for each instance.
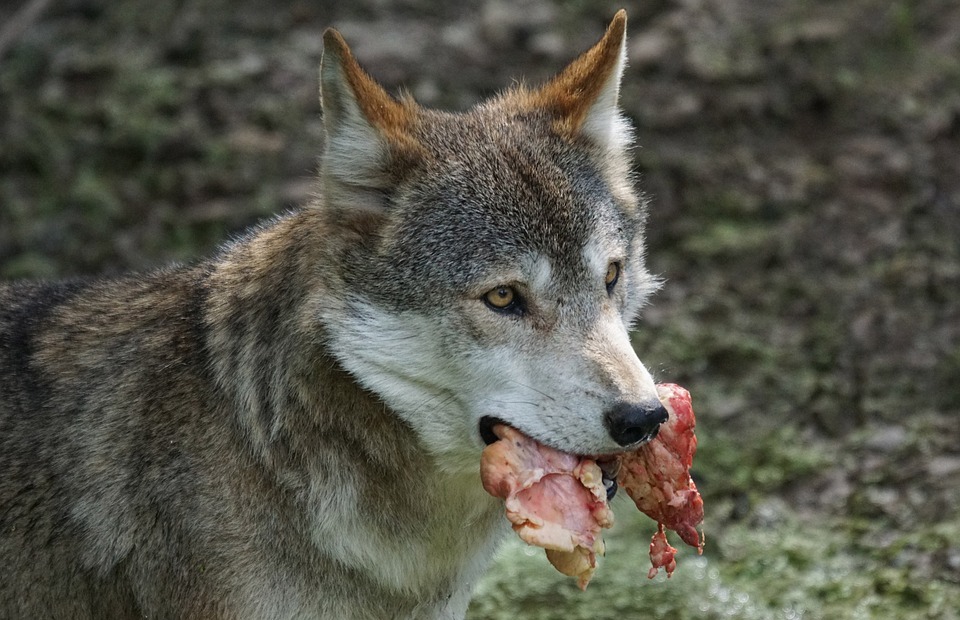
(291, 428)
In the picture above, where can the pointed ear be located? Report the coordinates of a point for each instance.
(583, 97)
(365, 128)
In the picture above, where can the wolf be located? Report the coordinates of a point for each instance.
(292, 427)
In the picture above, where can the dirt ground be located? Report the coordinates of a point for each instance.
(803, 165)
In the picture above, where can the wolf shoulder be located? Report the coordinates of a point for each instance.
(81, 359)
(101, 396)
(83, 334)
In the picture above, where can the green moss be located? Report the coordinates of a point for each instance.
(523, 585)
(792, 570)
(726, 239)
(756, 463)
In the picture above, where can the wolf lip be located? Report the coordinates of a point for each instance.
(610, 469)
(609, 465)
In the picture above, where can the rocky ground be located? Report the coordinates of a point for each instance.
(803, 166)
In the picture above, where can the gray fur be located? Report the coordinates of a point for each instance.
(289, 428)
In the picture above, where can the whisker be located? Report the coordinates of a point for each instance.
(533, 389)
(432, 401)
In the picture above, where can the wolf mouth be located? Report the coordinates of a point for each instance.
(609, 464)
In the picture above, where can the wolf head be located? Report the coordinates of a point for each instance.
(490, 263)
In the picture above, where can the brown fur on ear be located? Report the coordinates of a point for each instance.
(571, 95)
(393, 118)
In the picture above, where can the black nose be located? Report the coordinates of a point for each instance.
(629, 423)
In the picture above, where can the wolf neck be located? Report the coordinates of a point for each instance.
(269, 347)
(340, 449)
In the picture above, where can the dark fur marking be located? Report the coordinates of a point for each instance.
(21, 316)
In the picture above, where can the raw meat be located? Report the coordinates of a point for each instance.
(553, 500)
(662, 554)
(558, 501)
(657, 478)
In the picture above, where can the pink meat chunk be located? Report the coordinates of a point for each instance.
(553, 500)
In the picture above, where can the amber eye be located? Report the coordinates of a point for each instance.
(501, 297)
(613, 274)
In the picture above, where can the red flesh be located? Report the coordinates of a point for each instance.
(657, 477)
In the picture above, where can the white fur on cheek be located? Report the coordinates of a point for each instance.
(401, 357)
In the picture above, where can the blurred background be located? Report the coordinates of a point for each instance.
(803, 165)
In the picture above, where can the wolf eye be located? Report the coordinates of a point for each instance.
(502, 298)
(613, 274)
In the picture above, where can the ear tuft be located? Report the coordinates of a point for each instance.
(584, 96)
(343, 80)
(366, 129)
